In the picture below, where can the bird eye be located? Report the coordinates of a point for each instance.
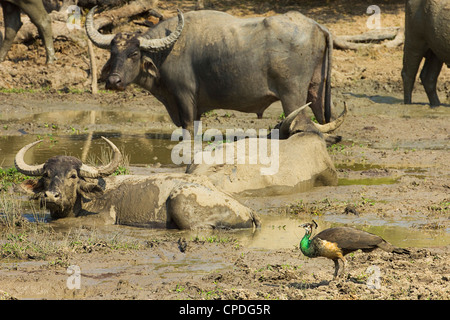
(73, 176)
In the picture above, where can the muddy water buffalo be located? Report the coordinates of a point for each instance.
(69, 188)
(206, 60)
(427, 35)
(303, 161)
(36, 11)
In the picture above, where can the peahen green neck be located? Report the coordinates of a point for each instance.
(305, 245)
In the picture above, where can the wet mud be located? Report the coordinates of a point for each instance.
(393, 175)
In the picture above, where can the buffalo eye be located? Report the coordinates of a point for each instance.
(134, 54)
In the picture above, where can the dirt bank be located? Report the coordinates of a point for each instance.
(392, 165)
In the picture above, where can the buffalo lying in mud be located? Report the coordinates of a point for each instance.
(206, 60)
(302, 161)
(70, 188)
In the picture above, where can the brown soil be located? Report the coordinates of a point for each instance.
(382, 139)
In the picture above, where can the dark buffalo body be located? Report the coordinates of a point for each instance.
(220, 61)
(427, 37)
(36, 11)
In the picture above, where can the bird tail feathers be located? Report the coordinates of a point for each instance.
(386, 246)
(401, 251)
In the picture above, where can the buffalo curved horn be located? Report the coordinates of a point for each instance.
(22, 167)
(155, 45)
(285, 128)
(333, 125)
(100, 40)
(87, 171)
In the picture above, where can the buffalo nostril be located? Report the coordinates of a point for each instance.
(114, 79)
(51, 195)
(114, 82)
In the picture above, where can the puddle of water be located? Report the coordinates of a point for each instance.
(283, 232)
(367, 166)
(417, 172)
(358, 166)
(367, 182)
(398, 232)
(149, 148)
(84, 117)
(413, 145)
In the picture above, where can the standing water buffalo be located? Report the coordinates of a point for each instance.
(206, 60)
(36, 11)
(69, 188)
(427, 35)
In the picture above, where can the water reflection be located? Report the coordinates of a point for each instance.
(83, 117)
(149, 148)
(283, 232)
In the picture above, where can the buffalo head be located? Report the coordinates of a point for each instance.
(127, 60)
(298, 122)
(62, 184)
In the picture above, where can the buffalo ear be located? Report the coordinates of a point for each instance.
(105, 70)
(150, 67)
(30, 187)
(89, 190)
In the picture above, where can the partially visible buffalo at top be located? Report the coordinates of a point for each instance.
(427, 35)
(205, 60)
(36, 11)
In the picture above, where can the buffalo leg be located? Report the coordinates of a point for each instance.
(316, 93)
(183, 112)
(11, 14)
(293, 98)
(413, 54)
(429, 76)
(41, 19)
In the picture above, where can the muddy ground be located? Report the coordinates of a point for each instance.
(392, 165)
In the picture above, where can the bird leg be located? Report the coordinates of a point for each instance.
(336, 268)
(343, 266)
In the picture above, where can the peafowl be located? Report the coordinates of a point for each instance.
(335, 243)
